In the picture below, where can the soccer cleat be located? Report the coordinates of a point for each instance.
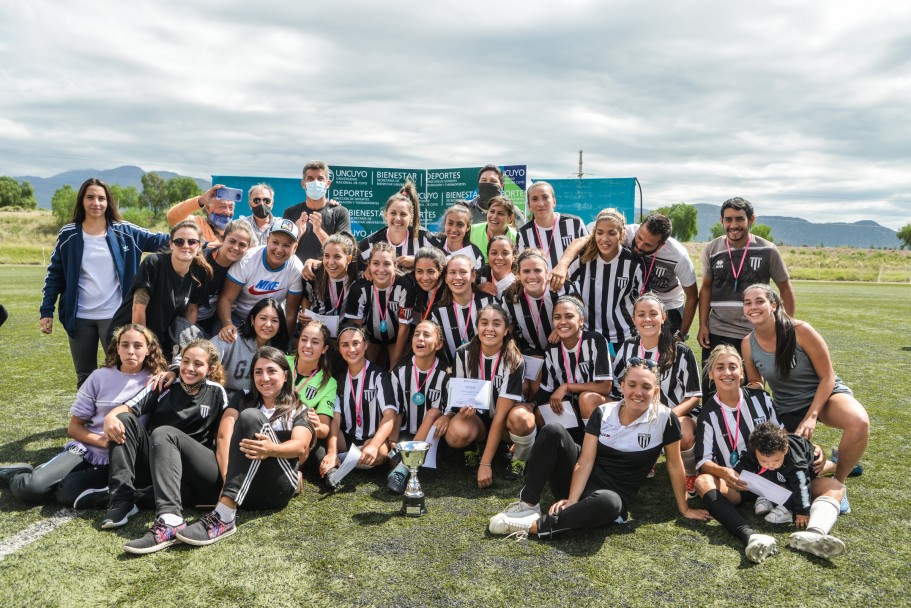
(780, 515)
(763, 506)
(759, 547)
(93, 498)
(502, 524)
(820, 545)
(845, 507)
(858, 469)
(691, 486)
(209, 529)
(159, 536)
(118, 515)
(397, 478)
(516, 470)
(7, 472)
(472, 459)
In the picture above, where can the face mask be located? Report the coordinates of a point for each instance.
(219, 221)
(261, 211)
(487, 191)
(316, 190)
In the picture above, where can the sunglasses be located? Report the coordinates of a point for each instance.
(637, 361)
(182, 242)
(264, 201)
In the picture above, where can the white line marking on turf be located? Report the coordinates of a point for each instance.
(34, 532)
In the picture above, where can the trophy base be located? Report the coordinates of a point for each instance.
(413, 506)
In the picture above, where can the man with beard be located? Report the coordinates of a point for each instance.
(261, 198)
(730, 264)
(490, 184)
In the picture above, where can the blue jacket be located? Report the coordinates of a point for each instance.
(127, 243)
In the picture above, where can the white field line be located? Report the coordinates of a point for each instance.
(34, 532)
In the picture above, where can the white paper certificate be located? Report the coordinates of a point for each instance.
(504, 283)
(348, 464)
(765, 488)
(430, 459)
(468, 252)
(567, 419)
(330, 321)
(468, 392)
(533, 367)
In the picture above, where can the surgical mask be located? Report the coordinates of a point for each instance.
(219, 221)
(261, 211)
(316, 190)
(487, 191)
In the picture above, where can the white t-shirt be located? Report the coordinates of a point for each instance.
(258, 281)
(99, 287)
(671, 272)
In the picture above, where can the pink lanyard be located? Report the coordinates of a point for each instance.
(642, 352)
(463, 333)
(493, 370)
(381, 311)
(550, 241)
(358, 399)
(728, 428)
(417, 373)
(648, 275)
(304, 384)
(536, 319)
(742, 259)
(341, 294)
(402, 244)
(570, 373)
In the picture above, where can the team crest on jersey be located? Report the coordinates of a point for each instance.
(433, 395)
(758, 420)
(781, 478)
(406, 314)
(622, 282)
(310, 392)
(583, 367)
(393, 305)
(659, 271)
(644, 440)
(755, 262)
(369, 394)
(566, 240)
(498, 382)
(204, 410)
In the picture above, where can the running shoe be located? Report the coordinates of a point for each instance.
(118, 515)
(93, 498)
(397, 478)
(763, 506)
(209, 529)
(780, 515)
(159, 536)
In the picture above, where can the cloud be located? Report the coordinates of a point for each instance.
(802, 108)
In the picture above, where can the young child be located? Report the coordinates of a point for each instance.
(499, 273)
(458, 307)
(786, 459)
(383, 305)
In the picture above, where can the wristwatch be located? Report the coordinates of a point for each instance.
(680, 336)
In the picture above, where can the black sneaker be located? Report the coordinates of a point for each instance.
(159, 536)
(93, 498)
(7, 472)
(397, 479)
(118, 515)
(209, 529)
(330, 479)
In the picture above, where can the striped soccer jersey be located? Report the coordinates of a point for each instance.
(713, 439)
(609, 291)
(406, 384)
(552, 242)
(680, 381)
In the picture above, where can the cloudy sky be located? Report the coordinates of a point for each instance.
(804, 108)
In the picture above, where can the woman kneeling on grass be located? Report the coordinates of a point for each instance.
(79, 475)
(596, 483)
(259, 444)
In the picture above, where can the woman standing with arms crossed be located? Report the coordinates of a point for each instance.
(97, 250)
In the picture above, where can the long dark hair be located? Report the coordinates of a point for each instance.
(323, 363)
(281, 338)
(785, 336)
(349, 246)
(286, 402)
(446, 298)
(510, 355)
(515, 291)
(667, 344)
(200, 258)
(456, 207)
(111, 214)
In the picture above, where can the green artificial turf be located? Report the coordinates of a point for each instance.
(351, 547)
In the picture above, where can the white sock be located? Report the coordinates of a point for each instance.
(584, 422)
(689, 461)
(169, 519)
(823, 513)
(523, 444)
(225, 513)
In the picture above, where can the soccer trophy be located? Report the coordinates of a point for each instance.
(413, 454)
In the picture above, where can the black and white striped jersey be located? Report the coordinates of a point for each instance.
(409, 246)
(425, 301)
(713, 442)
(678, 382)
(459, 323)
(609, 291)
(407, 384)
(589, 361)
(476, 254)
(552, 242)
(336, 297)
(372, 388)
(393, 305)
(484, 276)
(533, 318)
(506, 382)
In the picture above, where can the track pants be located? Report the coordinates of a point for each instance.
(184, 471)
(64, 476)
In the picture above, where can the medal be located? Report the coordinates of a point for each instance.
(418, 398)
(383, 326)
(735, 458)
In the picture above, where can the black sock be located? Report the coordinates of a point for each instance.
(727, 515)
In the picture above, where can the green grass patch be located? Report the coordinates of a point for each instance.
(351, 548)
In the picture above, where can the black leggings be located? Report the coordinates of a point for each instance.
(553, 458)
(258, 484)
(65, 476)
(184, 471)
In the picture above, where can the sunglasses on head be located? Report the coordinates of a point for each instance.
(264, 201)
(637, 361)
(182, 242)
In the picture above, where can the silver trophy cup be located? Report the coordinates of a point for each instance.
(413, 454)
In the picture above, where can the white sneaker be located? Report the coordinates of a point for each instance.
(519, 508)
(763, 506)
(760, 547)
(502, 524)
(780, 515)
(820, 545)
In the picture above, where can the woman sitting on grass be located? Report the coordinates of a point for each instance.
(78, 476)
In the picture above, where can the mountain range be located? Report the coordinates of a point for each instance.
(787, 230)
